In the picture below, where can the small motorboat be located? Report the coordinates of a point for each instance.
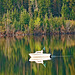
(39, 56)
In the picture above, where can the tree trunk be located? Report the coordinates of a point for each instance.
(30, 9)
(36, 6)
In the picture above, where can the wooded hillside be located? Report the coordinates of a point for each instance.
(37, 16)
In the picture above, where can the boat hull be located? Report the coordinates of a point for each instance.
(33, 55)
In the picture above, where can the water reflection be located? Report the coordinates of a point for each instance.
(14, 55)
(39, 57)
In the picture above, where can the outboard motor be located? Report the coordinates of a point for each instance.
(50, 56)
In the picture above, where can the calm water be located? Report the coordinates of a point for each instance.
(14, 55)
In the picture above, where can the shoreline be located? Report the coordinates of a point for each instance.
(37, 34)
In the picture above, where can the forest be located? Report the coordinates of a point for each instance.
(20, 17)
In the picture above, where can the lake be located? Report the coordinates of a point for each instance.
(14, 55)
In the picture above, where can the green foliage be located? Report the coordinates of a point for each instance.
(72, 15)
(31, 24)
(7, 4)
(16, 25)
(44, 6)
(46, 18)
(29, 14)
(22, 8)
(37, 22)
(24, 18)
(65, 11)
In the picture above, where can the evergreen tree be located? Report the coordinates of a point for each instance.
(72, 15)
(31, 24)
(65, 11)
(24, 19)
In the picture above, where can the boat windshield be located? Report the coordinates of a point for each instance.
(39, 51)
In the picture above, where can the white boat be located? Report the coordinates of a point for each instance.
(39, 56)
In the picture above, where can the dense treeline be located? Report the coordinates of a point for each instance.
(37, 16)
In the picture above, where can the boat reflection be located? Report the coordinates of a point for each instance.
(39, 57)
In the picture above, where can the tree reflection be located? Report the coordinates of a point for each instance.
(14, 59)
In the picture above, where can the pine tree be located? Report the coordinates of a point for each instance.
(65, 11)
(72, 15)
(24, 19)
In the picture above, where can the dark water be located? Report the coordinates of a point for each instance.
(14, 55)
